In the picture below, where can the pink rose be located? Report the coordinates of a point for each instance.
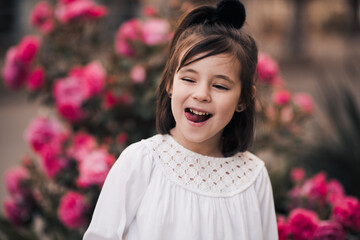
(297, 175)
(45, 131)
(155, 31)
(110, 99)
(69, 10)
(130, 31)
(267, 69)
(315, 189)
(347, 213)
(302, 224)
(35, 80)
(335, 192)
(52, 161)
(122, 138)
(67, 1)
(82, 144)
(72, 210)
(94, 168)
(281, 97)
(304, 102)
(27, 49)
(42, 17)
(282, 227)
(69, 96)
(17, 214)
(149, 11)
(92, 77)
(329, 230)
(18, 60)
(14, 71)
(138, 74)
(17, 183)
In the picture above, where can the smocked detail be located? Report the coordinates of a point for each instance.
(203, 174)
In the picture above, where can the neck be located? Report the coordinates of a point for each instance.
(209, 147)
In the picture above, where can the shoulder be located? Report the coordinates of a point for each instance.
(136, 155)
(142, 147)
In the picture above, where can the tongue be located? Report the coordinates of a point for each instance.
(196, 118)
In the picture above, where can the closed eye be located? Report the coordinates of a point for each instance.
(188, 80)
(220, 87)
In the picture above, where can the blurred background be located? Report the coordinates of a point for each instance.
(313, 47)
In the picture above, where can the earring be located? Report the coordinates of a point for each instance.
(170, 95)
(240, 108)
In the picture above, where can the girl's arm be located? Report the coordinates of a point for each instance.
(121, 194)
(267, 208)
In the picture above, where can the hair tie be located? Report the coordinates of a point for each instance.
(230, 12)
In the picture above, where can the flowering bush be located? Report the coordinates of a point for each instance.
(282, 113)
(319, 209)
(103, 93)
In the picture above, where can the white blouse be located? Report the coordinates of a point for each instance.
(159, 190)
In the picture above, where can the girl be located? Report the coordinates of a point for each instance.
(196, 179)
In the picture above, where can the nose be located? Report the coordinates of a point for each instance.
(202, 93)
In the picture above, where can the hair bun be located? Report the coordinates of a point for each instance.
(231, 12)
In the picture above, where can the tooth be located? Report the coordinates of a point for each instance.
(198, 113)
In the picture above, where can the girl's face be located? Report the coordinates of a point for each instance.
(205, 95)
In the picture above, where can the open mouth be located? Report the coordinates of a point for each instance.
(196, 116)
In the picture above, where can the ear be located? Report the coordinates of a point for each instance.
(169, 89)
(240, 107)
(253, 93)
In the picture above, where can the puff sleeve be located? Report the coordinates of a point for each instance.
(121, 194)
(267, 208)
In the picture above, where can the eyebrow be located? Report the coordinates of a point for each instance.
(224, 77)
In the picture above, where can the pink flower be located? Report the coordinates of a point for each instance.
(69, 10)
(110, 99)
(128, 31)
(335, 192)
(281, 97)
(267, 69)
(42, 132)
(67, 1)
(329, 230)
(282, 227)
(14, 71)
(92, 77)
(149, 11)
(286, 114)
(304, 102)
(52, 161)
(72, 210)
(315, 189)
(297, 175)
(155, 31)
(347, 213)
(82, 144)
(17, 183)
(302, 224)
(27, 49)
(35, 80)
(17, 214)
(42, 17)
(122, 138)
(94, 168)
(138, 74)
(69, 96)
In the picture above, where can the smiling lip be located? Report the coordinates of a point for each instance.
(197, 117)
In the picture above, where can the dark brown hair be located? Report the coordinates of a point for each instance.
(199, 35)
